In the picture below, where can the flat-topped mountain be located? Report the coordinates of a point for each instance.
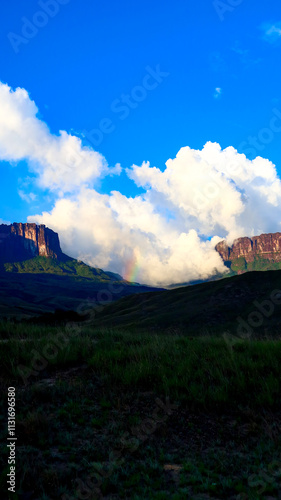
(20, 242)
(36, 277)
(28, 248)
(259, 253)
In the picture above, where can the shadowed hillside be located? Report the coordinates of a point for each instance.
(43, 279)
(25, 295)
(206, 307)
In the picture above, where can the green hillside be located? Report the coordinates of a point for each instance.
(63, 267)
(259, 264)
(207, 307)
(41, 285)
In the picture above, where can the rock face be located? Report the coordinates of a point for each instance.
(250, 253)
(20, 242)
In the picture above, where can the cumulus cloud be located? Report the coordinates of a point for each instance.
(112, 231)
(172, 229)
(215, 191)
(168, 234)
(59, 161)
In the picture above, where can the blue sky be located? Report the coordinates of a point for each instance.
(221, 82)
(91, 53)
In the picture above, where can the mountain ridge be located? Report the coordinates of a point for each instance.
(31, 248)
(37, 278)
(258, 253)
(21, 241)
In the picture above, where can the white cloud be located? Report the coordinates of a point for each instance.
(111, 231)
(168, 233)
(59, 161)
(218, 92)
(208, 194)
(28, 197)
(271, 32)
(215, 191)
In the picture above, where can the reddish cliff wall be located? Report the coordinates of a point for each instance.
(23, 241)
(266, 246)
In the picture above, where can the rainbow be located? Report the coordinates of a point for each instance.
(132, 269)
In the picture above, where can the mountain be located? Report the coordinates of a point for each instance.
(36, 277)
(246, 305)
(235, 304)
(20, 242)
(259, 253)
(28, 248)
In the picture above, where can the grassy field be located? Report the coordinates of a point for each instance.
(120, 414)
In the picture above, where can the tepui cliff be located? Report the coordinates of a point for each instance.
(24, 241)
(253, 253)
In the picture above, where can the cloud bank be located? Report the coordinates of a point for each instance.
(166, 235)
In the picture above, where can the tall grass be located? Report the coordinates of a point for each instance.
(205, 372)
